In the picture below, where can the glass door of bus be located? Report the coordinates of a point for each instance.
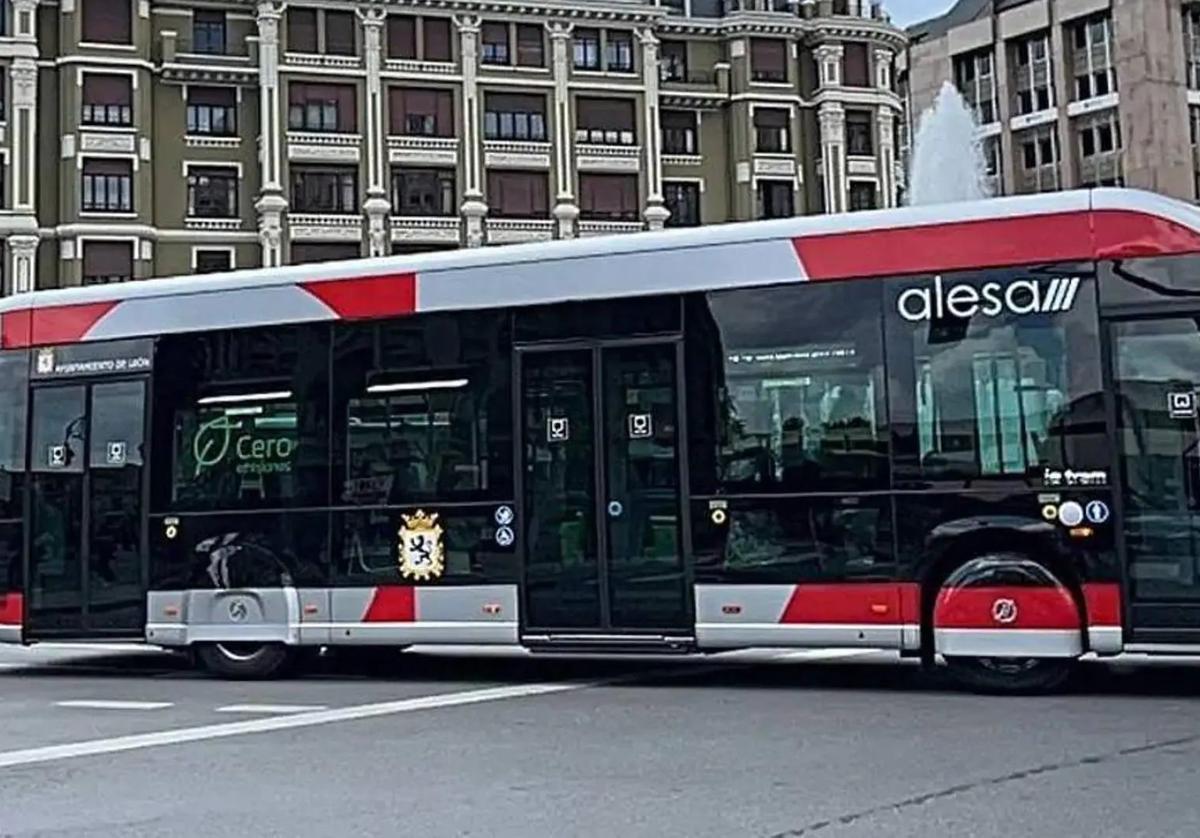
(87, 568)
(601, 481)
(1157, 386)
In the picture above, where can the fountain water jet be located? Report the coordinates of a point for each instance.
(947, 160)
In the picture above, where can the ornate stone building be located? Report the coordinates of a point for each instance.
(145, 138)
(1070, 93)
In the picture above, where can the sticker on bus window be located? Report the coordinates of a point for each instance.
(558, 429)
(115, 454)
(56, 456)
(640, 426)
(1181, 405)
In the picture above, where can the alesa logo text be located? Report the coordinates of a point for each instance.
(992, 299)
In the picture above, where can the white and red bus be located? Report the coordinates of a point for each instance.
(968, 433)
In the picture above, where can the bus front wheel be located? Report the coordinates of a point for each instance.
(1010, 675)
(246, 661)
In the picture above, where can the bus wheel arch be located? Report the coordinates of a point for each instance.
(246, 661)
(1004, 620)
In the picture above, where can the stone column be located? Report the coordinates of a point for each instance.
(377, 207)
(22, 245)
(655, 213)
(474, 208)
(271, 203)
(883, 67)
(886, 118)
(833, 155)
(566, 212)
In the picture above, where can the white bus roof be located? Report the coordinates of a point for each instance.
(1054, 227)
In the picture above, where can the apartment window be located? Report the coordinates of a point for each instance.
(422, 113)
(212, 111)
(678, 132)
(775, 199)
(858, 133)
(683, 201)
(1093, 60)
(1191, 27)
(608, 197)
(856, 65)
(862, 196)
(212, 192)
(604, 121)
(107, 185)
(107, 21)
(208, 31)
(1039, 150)
(1101, 137)
(976, 81)
(331, 189)
(302, 30)
(107, 100)
(768, 59)
(339, 33)
(436, 39)
(105, 262)
(587, 49)
(402, 37)
(531, 49)
(494, 44)
(512, 116)
(772, 134)
(518, 194)
(618, 52)
(1034, 75)
(423, 192)
(672, 61)
(213, 261)
(321, 107)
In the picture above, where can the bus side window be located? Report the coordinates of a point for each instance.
(997, 393)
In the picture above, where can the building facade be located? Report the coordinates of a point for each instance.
(145, 138)
(1069, 93)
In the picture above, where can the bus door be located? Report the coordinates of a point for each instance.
(87, 538)
(1156, 372)
(601, 467)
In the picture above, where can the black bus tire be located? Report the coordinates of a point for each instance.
(1014, 676)
(247, 661)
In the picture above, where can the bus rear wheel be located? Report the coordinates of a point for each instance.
(1010, 675)
(246, 661)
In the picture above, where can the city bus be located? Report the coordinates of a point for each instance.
(966, 433)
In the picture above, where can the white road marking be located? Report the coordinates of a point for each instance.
(97, 704)
(280, 709)
(116, 744)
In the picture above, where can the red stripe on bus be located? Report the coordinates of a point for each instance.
(51, 325)
(1121, 234)
(392, 604)
(850, 603)
(978, 608)
(1103, 600)
(12, 609)
(369, 296)
(960, 245)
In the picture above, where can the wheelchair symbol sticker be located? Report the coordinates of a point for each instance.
(56, 456)
(640, 426)
(116, 454)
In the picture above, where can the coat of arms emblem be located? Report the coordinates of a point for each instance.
(421, 553)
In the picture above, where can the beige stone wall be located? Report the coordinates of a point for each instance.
(1154, 115)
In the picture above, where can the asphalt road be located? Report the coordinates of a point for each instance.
(112, 742)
